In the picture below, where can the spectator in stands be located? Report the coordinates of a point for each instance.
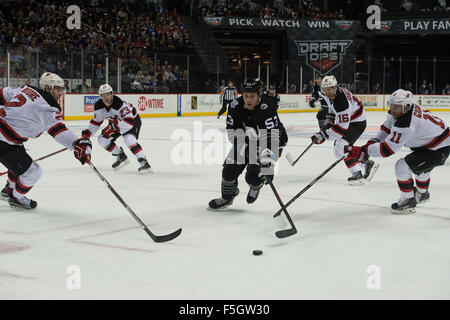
(446, 90)
(430, 89)
(136, 85)
(441, 5)
(377, 89)
(66, 87)
(406, 5)
(83, 88)
(423, 87)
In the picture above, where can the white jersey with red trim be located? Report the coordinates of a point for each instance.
(417, 128)
(27, 112)
(347, 109)
(124, 112)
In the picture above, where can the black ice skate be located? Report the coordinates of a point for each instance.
(421, 197)
(253, 193)
(404, 206)
(121, 161)
(23, 203)
(371, 168)
(356, 179)
(6, 192)
(221, 203)
(145, 167)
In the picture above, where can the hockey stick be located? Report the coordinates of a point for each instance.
(307, 187)
(287, 232)
(41, 158)
(154, 237)
(289, 156)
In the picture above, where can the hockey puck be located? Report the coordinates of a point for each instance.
(257, 252)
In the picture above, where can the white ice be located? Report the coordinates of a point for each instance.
(343, 230)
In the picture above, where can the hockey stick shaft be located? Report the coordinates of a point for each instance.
(296, 160)
(293, 229)
(298, 195)
(154, 237)
(41, 158)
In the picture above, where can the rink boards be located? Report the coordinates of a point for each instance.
(81, 106)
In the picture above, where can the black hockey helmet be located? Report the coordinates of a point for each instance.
(252, 85)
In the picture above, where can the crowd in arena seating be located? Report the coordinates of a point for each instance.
(274, 9)
(109, 29)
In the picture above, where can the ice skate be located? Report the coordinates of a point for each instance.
(221, 203)
(356, 179)
(6, 192)
(253, 193)
(145, 167)
(404, 206)
(371, 168)
(23, 203)
(421, 197)
(121, 161)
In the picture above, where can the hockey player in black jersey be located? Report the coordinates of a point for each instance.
(323, 116)
(257, 135)
(124, 121)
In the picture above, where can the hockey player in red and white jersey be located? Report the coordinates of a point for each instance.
(26, 113)
(123, 120)
(349, 125)
(409, 125)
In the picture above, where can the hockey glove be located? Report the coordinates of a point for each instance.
(311, 102)
(319, 137)
(358, 153)
(111, 130)
(267, 161)
(82, 149)
(329, 122)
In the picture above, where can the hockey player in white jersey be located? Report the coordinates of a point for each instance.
(123, 120)
(409, 125)
(349, 124)
(26, 113)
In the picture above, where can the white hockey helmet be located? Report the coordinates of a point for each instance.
(403, 98)
(50, 79)
(105, 88)
(328, 82)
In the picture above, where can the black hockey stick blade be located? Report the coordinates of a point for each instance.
(286, 233)
(163, 238)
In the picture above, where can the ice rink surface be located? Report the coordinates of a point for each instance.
(347, 235)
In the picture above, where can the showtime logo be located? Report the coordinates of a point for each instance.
(146, 103)
(89, 102)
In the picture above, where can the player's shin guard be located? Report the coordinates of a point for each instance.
(407, 202)
(229, 189)
(135, 148)
(404, 179)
